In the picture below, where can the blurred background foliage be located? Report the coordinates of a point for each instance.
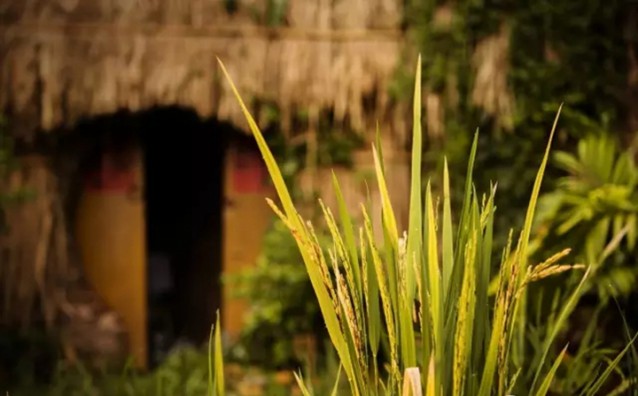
(183, 373)
(282, 308)
(594, 208)
(505, 66)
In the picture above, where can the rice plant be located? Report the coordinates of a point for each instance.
(411, 314)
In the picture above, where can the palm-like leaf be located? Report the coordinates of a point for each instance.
(596, 201)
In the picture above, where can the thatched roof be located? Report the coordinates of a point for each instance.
(65, 60)
(492, 92)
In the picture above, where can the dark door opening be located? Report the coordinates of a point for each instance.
(184, 166)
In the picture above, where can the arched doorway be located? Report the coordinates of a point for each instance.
(149, 220)
(184, 170)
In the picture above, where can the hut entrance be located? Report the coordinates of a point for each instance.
(148, 222)
(183, 163)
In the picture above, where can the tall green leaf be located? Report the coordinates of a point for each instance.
(448, 249)
(523, 242)
(304, 242)
(415, 221)
(549, 377)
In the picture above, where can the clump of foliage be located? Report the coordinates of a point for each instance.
(184, 372)
(595, 207)
(411, 314)
(559, 51)
(281, 303)
(187, 371)
(25, 356)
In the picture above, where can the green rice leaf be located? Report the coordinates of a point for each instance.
(335, 388)
(431, 386)
(467, 196)
(389, 219)
(558, 324)
(304, 242)
(348, 231)
(302, 385)
(547, 382)
(434, 282)
(371, 293)
(448, 249)
(523, 243)
(211, 365)
(215, 362)
(388, 311)
(465, 320)
(415, 222)
(600, 380)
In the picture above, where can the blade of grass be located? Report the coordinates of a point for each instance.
(482, 288)
(519, 346)
(302, 386)
(558, 324)
(385, 298)
(600, 380)
(211, 380)
(431, 387)
(498, 335)
(467, 197)
(448, 248)
(462, 233)
(547, 382)
(305, 244)
(415, 222)
(371, 293)
(391, 253)
(434, 284)
(425, 320)
(407, 340)
(218, 363)
(465, 321)
(348, 230)
(386, 205)
(412, 252)
(335, 388)
(634, 353)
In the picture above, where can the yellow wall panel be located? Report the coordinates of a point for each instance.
(110, 232)
(246, 216)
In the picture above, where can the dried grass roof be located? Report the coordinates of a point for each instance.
(69, 59)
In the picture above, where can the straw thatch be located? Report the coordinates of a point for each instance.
(491, 91)
(34, 251)
(64, 60)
